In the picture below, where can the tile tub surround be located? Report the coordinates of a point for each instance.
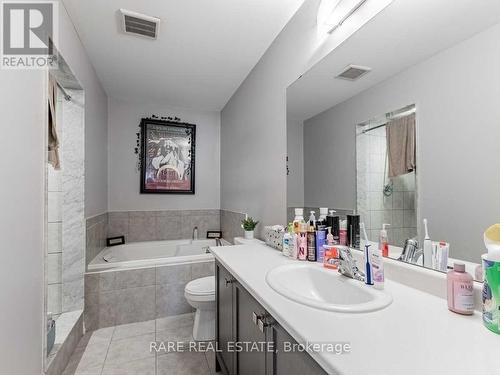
(162, 225)
(231, 224)
(54, 233)
(72, 154)
(125, 350)
(69, 331)
(97, 232)
(134, 295)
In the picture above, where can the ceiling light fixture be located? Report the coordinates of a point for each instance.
(342, 10)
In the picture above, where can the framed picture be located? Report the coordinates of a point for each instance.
(167, 157)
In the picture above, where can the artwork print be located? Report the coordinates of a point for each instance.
(168, 157)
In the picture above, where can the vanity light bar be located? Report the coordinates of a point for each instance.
(342, 11)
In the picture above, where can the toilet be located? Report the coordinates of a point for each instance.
(200, 293)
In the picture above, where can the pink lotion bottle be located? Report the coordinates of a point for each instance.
(460, 290)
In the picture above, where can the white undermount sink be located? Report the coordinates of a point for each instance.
(321, 288)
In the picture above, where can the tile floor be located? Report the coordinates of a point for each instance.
(125, 350)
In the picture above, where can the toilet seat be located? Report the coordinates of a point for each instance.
(202, 289)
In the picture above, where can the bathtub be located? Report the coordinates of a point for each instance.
(151, 253)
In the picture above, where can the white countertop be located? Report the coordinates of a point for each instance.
(415, 335)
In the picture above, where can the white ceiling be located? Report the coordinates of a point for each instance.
(403, 34)
(204, 51)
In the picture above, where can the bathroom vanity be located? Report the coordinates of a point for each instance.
(240, 318)
(250, 310)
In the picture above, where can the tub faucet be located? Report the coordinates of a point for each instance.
(347, 264)
(195, 233)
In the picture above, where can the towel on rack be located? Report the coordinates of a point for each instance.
(53, 140)
(401, 145)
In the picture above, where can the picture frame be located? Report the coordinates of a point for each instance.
(168, 151)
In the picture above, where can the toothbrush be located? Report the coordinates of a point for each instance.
(362, 226)
(368, 265)
(427, 247)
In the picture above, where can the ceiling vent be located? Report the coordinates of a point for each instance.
(140, 24)
(353, 72)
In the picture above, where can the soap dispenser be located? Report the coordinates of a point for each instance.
(312, 219)
(383, 243)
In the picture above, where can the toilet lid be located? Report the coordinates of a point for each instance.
(203, 286)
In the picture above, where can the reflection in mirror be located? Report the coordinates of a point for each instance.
(346, 152)
(385, 175)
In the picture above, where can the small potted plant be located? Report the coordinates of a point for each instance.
(249, 225)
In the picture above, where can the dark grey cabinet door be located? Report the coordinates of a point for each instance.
(224, 320)
(284, 362)
(248, 311)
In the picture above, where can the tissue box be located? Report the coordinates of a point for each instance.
(273, 236)
(491, 295)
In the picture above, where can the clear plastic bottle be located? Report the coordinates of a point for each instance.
(299, 218)
(288, 242)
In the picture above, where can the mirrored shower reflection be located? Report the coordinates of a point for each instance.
(382, 199)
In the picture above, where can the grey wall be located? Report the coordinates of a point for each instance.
(22, 218)
(253, 123)
(124, 179)
(329, 160)
(456, 93)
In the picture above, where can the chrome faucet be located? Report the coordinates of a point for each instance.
(347, 264)
(411, 252)
(195, 233)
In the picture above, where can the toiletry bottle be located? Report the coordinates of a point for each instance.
(377, 262)
(331, 259)
(491, 239)
(460, 290)
(383, 241)
(294, 253)
(312, 219)
(320, 241)
(329, 236)
(288, 241)
(299, 218)
(343, 233)
(443, 251)
(353, 231)
(302, 242)
(311, 244)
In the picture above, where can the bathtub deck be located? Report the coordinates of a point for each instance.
(125, 350)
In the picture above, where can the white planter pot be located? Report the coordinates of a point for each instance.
(249, 235)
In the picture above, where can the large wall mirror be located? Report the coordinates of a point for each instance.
(402, 124)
